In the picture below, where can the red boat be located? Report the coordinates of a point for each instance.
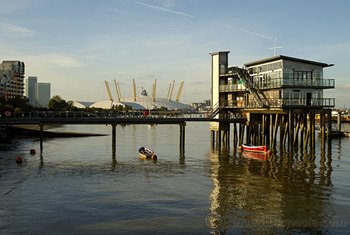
(255, 148)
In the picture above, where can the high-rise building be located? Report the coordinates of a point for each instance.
(11, 79)
(31, 90)
(43, 93)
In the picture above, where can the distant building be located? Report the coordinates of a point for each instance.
(38, 93)
(43, 93)
(32, 90)
(11, 79)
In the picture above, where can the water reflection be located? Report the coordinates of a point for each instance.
(266, 195)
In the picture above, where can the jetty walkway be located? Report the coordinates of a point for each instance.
(125, 117)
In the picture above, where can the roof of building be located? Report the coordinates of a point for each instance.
(142, 102)
(283, 57)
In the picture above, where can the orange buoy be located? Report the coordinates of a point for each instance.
(19, 159)
(32, 151)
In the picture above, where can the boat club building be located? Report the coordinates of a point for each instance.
(277, 93)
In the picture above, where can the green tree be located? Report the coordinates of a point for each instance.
(57, 103)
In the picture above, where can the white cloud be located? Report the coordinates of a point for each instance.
(16, 29)
(165, 9)
(53, 60)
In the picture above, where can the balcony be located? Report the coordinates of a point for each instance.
(295, 83)
(232, 88)
(282, 103)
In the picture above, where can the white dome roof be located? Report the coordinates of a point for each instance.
(142, 102)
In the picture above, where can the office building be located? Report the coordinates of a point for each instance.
(31, 90)
(43, 93)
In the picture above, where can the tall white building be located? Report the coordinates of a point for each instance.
(31, 90)
(43, 93)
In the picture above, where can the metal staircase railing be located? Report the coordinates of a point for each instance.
(215, 110)
(244, 75)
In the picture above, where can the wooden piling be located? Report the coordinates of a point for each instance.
(114, 140)
(182, 139)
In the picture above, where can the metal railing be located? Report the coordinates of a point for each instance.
(297, 83)
(281, 83)
(232, 88)
(123, 115)
(283, 103)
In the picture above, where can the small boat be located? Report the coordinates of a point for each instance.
(255, 148)
(146, 153)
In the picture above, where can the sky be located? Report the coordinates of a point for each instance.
(77, 44)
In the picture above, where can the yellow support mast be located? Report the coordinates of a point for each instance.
(179, 92)
(134, 85)
(172, 89)
(108, 91)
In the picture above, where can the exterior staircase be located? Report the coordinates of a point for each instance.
(244, 75)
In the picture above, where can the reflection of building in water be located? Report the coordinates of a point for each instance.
(256, 196)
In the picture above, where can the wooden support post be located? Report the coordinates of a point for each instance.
(302, 133)
(263, 130)
(267, 132)
(282, 132)
(218, 140)
(248, 134)
(271, 130)
(182, 139)
(235, 137)
(241, 133)
(212, 139)
(275, 132)
(114, 140)
(286, 131)
(313, 139)
(307, 139)
(296, 134)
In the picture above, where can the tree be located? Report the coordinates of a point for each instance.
(57, 103)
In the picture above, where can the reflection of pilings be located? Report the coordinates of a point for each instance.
(182, 139)
(339, 121)
(290, 131)
(323, 131)
(329, 130)
(114, 140)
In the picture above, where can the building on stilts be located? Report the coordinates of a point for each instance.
(279, 96)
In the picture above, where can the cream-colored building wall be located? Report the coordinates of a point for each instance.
(215, 79)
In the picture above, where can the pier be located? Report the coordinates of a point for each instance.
(280, 97)
(116, 118)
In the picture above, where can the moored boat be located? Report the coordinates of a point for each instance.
(146, 153)
(255, 148)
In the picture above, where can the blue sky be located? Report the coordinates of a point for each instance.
(77, 44)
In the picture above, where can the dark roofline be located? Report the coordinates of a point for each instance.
(279, 57)
(218, 52)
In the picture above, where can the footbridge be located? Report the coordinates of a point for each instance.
(132, 117)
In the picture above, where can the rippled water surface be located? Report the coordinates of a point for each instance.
(77, 186)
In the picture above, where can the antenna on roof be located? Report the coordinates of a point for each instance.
(275, 48)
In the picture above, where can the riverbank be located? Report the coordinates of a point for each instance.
(34, 131)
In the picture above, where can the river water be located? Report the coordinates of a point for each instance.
(77, 186)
